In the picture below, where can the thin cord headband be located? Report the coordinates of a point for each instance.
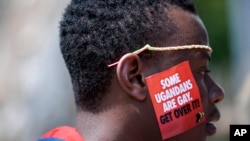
(148, 47)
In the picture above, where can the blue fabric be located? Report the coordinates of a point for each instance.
(50, 139)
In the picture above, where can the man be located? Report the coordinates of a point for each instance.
(139, 71)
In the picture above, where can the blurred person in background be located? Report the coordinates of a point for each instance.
(139, 70)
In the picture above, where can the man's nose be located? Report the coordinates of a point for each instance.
(215, 91)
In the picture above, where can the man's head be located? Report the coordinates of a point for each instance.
(95, 34)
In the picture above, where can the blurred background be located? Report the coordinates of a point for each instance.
(35, 90)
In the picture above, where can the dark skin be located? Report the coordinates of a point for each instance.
(126, 110)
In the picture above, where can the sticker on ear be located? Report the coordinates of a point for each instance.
(176, 100)
(129, 73)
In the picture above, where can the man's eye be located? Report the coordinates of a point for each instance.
(205, 72)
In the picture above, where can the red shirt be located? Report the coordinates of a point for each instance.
(63, 133)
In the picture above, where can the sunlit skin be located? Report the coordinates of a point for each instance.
(127, 113)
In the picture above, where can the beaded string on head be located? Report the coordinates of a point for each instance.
(149, 47)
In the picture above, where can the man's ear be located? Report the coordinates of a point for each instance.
(129, 73)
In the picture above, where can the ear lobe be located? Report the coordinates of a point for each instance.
(129, 73)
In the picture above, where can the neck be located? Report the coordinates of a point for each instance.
(120, 118)
(106, 125)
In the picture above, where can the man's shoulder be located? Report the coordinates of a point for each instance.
(62, 133)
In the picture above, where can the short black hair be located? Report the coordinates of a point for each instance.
(95, 33)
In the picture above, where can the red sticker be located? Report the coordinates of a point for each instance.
(176, 100)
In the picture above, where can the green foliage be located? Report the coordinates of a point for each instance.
(214, 15)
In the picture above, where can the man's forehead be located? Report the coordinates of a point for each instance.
(189, 28)
(201, 54)
(197, 54)
(168, 59)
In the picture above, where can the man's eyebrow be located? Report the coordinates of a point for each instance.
(205, 54)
